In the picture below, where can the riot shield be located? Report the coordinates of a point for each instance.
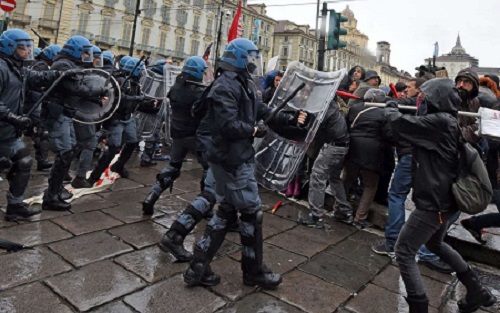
(170, 72)
(277, 159)
(153, 85)
(94, 111)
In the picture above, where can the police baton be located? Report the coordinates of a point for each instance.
(37, 104)
(284, 103)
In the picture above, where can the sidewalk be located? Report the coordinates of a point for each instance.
(102, 257)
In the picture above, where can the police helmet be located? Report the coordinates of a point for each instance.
(158, 66)
(124, 61)
(50, 52)
(108, 56)
(14, 39)
(195, 66)
(243, 54)
(76, 46)
(129, 66)
(36, 51)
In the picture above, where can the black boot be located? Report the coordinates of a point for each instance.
(199, 272)
(41, 155)
(255, 272)
(418, 304)
(65, 194)
(43, 165)
(51, 199)
(81, 182)
(20, 211)
(477, 296)
(119, 165)
(173, 242)
(149, 203)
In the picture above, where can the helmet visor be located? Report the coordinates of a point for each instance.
(254, 64)
(24, 50)
(88, 54)
(98, 60)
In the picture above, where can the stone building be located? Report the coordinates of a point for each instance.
(294, 42)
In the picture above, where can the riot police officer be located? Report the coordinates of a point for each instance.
(121, 128)
(61, 109)
(86, 140)
(16, 47)
(108, 60)
(234, 109)
(43, 62)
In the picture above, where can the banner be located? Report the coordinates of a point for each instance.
(236, 25)
(256, 31)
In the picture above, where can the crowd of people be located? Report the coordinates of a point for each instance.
(353, 153)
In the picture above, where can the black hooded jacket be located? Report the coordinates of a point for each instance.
(347, 80)
(435, 141)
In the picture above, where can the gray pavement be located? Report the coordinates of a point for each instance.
(102, 257)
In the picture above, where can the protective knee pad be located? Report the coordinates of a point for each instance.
(21, 162)
(167, 177)
(227, 212)
(210, 198)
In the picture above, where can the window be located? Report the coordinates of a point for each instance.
(210, 25)
(195, 45)
(285, 51)
(146, 33)
(48, 13)
(83, 20)
(106, 26)
(285, 39)
(127, 32)
(163, 40)
(268, 27)
(165, 14)
(302, 41)
(198, 3)
(266, 42)
(109, 3)
(181, 17)
(196, 23)
(149, 8)
(129, 6)
(179, 44)
(20, 6)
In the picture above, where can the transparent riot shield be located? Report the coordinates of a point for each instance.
(153, 85)
(277, 159)
(170, 73)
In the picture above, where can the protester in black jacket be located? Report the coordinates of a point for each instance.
(435, 141)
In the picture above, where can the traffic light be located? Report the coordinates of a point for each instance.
(335, 31)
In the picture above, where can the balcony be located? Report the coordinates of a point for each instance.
(88, 35)
(20, 18)
(196, 28)
(144, 47)
(179, 54)
(123, 43)
(110, 3)
(49, 24)
(164, 52)
(110, 41)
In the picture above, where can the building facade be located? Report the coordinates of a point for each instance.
(173, 29)
(294, 42)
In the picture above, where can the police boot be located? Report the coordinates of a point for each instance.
(165, 179)
(42, 155)
(119, 165)
(147, 158)
(255, 272)
(51, 198)
(418, 304)
(477, 296)
(173, 241)
(20, 211)
(149, 203)
(198, 272)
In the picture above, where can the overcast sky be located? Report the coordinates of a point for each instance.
(413, 26)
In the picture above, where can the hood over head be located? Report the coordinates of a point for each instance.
(441, 95)
(472, 75)
(351, 71)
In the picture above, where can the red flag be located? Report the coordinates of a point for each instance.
(233, 31)
(206, 55)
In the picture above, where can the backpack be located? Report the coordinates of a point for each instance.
(472, 190)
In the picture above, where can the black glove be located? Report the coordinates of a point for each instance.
(73, 72)
(20, 122)
(104, 92)
(261, 130)
(392, 104)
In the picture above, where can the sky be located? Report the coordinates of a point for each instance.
(412, 26)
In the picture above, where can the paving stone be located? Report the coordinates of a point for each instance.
(45, 215)
(173, 296)
(34, 234)
(261, 303)
(269, 199)
(231, 285)
(339, 271)
(32, 298)
(113, 307)
(367, 236)
(86, 222)
(359, 253)
(144, 176)
(273, 225)
(391, 280)
(140, 235)
(310, 293)
(151, 264)
(187, 185)
(90, 248)
(126, 196)
(125, 184)
(29, 265)
(95, 284)
(90, 203)
(308, 241)
(130, 213)
(277, 259)
(189, 196)
(378, 300)
(3, 222)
